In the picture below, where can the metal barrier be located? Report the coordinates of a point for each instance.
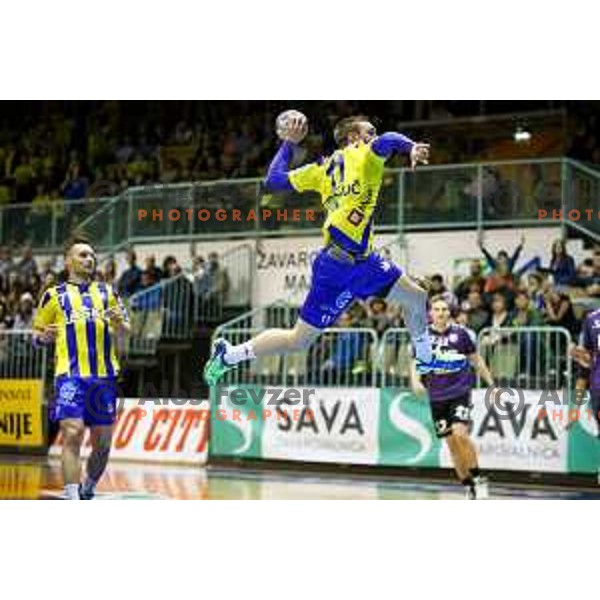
(394, 358)
(19, 359)
(162, 312)
(341, 357)
(581, 190)
(527, 357)
(46, 227)
(432, 197)
(277, 314)
(225, 290)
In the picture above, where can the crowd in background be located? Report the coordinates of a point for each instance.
(498, 294)
(500, 291)
(23, 278)
(495, 293)
(67, 151)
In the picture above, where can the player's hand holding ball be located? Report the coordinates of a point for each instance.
(292, 126)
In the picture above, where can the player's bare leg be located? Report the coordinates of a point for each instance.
(224, 356)
(413, 299)
(276, 341)
(101, 438)
(72, 431)
(466, 464)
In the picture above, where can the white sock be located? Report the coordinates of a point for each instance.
(422, 345)
(89, 486)
(72, 491)
(235, 354)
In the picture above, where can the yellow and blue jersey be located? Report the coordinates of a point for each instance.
(349, 182)
(84, 344)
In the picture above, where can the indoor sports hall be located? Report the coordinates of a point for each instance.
(501, 224)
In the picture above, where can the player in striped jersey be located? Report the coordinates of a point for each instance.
(81, 317)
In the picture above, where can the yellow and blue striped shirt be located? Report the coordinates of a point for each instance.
(84, 343)
(349, 182)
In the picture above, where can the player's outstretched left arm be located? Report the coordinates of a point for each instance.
(388, 143)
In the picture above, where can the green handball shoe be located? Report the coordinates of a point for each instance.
(216, 366)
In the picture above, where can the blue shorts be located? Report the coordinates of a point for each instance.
(336, 283)
(91, 399)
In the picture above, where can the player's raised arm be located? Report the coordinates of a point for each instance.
(390, 142)
(292, 127)
(278, 179)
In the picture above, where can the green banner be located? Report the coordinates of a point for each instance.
(236, 427)
(393, 427)
(406, 434)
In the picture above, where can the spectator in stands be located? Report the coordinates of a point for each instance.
(562, 264)
(146, 300)
(558, 311)
(438, 288)
(27, 267)
(500, 316)
(476, 277)
(590, 279)
(211, 286)
(584, 271)
(502, 258)
(201, 279)
(6, 321)
(24, 316)
(15, 289)
(24, 180)
(75, 185)
(478, 316)
(109, 271)
(151, 267)
(346, 353)
(500, 281)
(462, 318)
(218, 276)
(131, 280)
(48, 279)
(378, 317)
(500, 196)
(6, 264)
(525, 314)
(534, 290)
(170, 267)
(530, 350)
(47, 269)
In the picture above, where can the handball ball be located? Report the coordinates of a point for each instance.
(283, 121)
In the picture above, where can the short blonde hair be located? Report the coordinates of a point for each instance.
(347, 126)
